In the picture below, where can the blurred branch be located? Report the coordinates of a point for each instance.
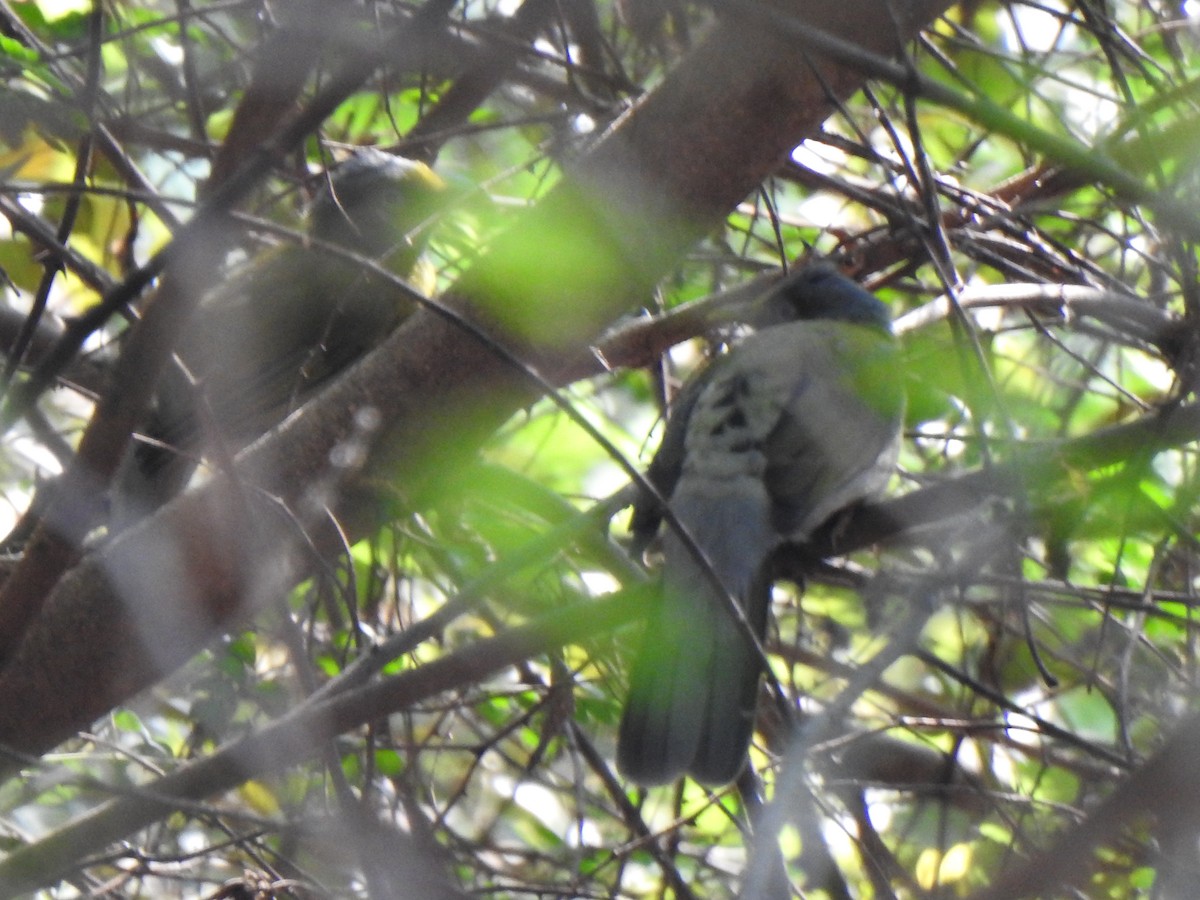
(1089, 164)
(1164, 790)
(1028, 476)
(301, 735)
(670, 170)
(186, 264)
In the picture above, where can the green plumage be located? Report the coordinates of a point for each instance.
(282, 325)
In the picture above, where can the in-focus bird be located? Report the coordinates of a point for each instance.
(795, 424)
(283, 324)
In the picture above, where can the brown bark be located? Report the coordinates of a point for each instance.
(665, 174)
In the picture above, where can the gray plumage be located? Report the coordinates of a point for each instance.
(796, 423)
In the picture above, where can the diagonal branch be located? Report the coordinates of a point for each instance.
(665, 174)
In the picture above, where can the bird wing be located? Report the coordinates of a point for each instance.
(837, 434)
(797, 422)
(667, 466)
(692, 687)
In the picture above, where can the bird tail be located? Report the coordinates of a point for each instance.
(694, 682)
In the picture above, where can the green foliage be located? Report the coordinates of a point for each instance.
(965, 692)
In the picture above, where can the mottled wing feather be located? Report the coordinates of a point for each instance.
(835, 441)
(800, 421)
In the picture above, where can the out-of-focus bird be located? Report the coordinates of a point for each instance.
(795, 424)
(283, 324)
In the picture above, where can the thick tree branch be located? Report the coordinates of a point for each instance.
(299, 736)
(664, 175)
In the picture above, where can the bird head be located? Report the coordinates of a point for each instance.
(819, 291)
(374, 201)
